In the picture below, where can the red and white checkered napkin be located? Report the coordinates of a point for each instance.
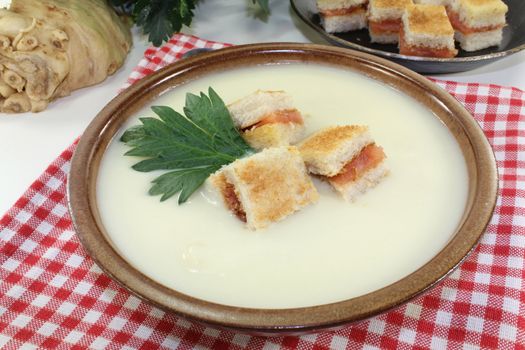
(53, 296)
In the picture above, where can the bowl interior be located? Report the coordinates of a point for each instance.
(474, 146)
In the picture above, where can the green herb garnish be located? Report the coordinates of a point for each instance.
(161, 18)
(192, 146)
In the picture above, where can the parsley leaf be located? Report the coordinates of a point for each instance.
(264, 5)
(193, 146)
(161, 18)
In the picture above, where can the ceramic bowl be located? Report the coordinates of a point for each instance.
(479, 160)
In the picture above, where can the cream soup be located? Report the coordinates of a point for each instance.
(327, 252)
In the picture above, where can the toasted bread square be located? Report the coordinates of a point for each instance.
(384, 19)
(380, 10)
(250, 114)
(251, 109)
(426, 31)
(327, 151)
(479, 40)
(345, 22)
(273, 135)
(324, 5)
(269, 185)
(338, 16)
(346, 157)
(384, 38)
(427, 22)
(481, 14)
(351, 190)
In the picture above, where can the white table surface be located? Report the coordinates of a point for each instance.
(30, 142)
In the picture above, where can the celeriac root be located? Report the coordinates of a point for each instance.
(6, 90)
(58, 37)
(17, 103)
(14, 80)
(27, 43)
(38, 106)
(49, 48)
(5, 42)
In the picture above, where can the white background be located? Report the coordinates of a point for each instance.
(30, 142)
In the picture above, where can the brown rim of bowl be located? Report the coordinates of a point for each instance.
(475, 147)
(349, 44)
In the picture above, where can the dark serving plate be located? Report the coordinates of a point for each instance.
(513, 41)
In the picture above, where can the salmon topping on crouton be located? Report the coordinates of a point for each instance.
(369, 157)
(458, 25)
(385, 26)
(232, 201)
(424, 51)
(343, 11)
(283, 116)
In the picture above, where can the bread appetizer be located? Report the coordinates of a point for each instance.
(265, 187)
(478, 23)
(347, 157)
(426, 31)
(267, 119)
(384, 20)
(342, 15)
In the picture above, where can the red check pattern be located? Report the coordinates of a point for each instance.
(52, 295)
(158, 57)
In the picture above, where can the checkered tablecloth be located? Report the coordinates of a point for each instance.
(53, 296)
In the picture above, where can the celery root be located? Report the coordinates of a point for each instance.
(49, 48)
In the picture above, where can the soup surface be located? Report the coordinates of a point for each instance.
(327, 252)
